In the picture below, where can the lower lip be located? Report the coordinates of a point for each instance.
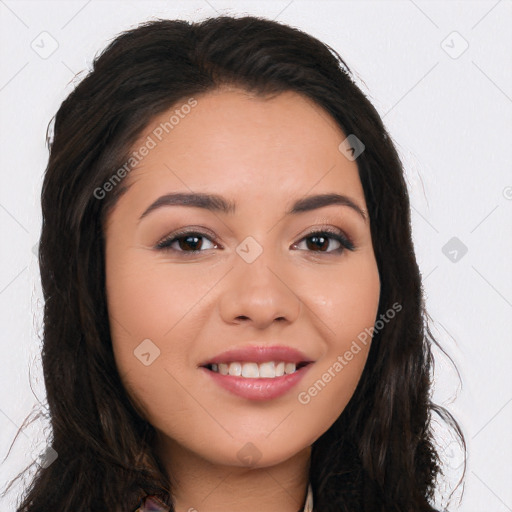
(258, 389)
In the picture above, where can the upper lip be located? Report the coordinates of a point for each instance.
(259, 354)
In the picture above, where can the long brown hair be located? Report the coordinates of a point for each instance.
(379, 455)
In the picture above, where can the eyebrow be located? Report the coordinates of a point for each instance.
(217, 203)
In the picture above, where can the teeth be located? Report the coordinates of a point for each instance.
(267, 370)
(250, 370)
(289, 368)
(235, 369)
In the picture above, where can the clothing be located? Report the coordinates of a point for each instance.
(153, 504)
(308, 506)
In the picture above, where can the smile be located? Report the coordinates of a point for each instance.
(248, 380)
(252, 370)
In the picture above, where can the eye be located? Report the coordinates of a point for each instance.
(186, 241)
(319, 241)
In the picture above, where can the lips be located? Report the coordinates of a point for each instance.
(257, 389)
(260, 354)
(249, 356)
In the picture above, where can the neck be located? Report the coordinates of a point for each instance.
(199, 485)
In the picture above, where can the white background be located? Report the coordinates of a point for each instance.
(449, 111)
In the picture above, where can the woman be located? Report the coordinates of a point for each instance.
(233, 310)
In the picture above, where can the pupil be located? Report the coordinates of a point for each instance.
(316, 242)
(187, 244)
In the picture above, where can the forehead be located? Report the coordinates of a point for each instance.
(245, 146)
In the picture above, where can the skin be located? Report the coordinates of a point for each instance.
(263, 154)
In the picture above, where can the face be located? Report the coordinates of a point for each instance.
(187, 284)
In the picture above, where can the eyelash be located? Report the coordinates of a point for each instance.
(345, 242)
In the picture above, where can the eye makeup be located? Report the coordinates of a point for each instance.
(192, 237)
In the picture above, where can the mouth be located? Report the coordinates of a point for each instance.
(256, 382)
(255, 370)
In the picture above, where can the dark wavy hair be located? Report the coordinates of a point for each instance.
(380, 454)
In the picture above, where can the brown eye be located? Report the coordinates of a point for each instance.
(321, 241)
(190, 241)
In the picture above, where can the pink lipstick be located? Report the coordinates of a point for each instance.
(258, 372)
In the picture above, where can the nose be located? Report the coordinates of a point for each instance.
(258, 294)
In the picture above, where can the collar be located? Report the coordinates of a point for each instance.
(308, 506)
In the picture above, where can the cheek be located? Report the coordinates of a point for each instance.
(348, 312)
(348, 301)
(154, 315)
(147, 300)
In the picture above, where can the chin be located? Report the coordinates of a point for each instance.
(254, 454)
